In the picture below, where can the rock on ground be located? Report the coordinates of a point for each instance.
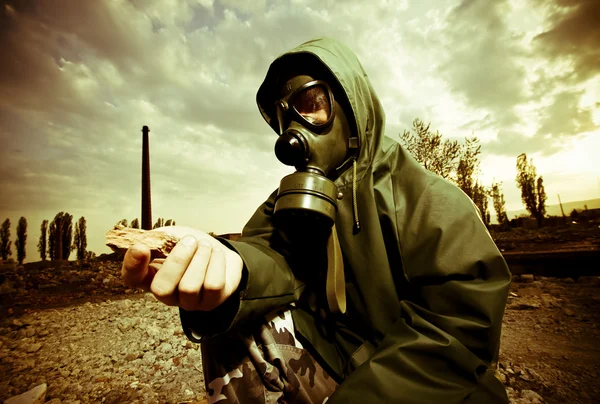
(36, 395)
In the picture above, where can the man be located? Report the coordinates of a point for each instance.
(418, 315)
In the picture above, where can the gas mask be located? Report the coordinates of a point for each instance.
(315, 138)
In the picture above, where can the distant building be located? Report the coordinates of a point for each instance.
(587, 214)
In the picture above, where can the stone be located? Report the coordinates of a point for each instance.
(124, 324)
(527, 278)
(131, 356)
(36, 395)
(523, 306)
(121, 238)
(531, 397)
(165, 347)
(501, 376)
(33, 348)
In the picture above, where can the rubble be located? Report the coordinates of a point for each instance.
(526, 278)
(128, 350)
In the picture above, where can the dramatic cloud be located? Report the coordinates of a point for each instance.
(480, 59)
(515, 94)
(79, 80)
(574, 34)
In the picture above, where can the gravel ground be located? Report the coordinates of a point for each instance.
(128, 350)
(117, 346)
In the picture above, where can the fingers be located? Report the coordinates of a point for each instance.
(156, 264)
(134, 270)
(213, 290)
(194, 276)
(190, 285)
(164, 285)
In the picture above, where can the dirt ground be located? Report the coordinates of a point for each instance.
(551, 339)
(90, 339)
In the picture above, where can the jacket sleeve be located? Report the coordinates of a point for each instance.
(267, 281)
(442, 348)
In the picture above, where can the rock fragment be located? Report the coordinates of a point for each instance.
(121, 238)
(36, 395)
(527, 278)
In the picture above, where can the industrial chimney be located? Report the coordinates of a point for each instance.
(146, 200)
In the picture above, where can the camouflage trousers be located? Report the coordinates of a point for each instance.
(265, 364)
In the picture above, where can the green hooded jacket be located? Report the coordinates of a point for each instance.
(426, 285)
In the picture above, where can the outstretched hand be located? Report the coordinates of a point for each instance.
(199, 273)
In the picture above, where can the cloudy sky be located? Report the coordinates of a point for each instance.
(79, 79)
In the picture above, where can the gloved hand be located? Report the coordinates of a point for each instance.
(199, 273)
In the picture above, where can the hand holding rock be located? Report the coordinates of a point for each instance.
(198, 273)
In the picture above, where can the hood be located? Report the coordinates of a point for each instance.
(367, 116)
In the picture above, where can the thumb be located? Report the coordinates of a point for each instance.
(135, 271)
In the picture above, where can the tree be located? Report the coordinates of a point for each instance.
(56, 231)
(533, 194)
(21, 239)
(80, 238)
(5, 243)
(541, 198)
(468, 165)
(480, 199)
(61, 232)
(67, 235)
(135, 224)
(42, 243)
(440, 157)
(52, 240)
(160, 222)
(499, 204)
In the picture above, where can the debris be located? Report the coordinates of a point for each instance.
(527, 278)
(531, 397)
(522, 306)
(36, 395)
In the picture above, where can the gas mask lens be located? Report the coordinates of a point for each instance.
(313, 104)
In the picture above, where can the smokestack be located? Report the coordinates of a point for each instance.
(146, 200)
